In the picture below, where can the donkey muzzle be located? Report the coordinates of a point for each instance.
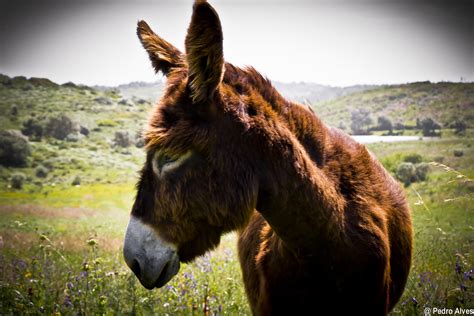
(153, 260)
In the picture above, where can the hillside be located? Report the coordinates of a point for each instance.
(150, 91)
(403, 104)
(91, 149)
(312, 93)
(297, 91)
(445, 102)
(102, 142)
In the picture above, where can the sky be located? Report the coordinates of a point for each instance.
(331, 42)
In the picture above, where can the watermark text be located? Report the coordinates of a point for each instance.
(448, 311)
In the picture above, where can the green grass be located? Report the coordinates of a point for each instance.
(49, 265)
(442, 209)
(95, 282)
(60, 245)
(441, 273)
(61, 253)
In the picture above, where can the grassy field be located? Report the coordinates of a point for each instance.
(61, 248)
(61, 239)
(61, 253)
(442, 208)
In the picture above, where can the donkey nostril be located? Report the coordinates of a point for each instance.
(136, 268)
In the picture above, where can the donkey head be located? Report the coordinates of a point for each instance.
(195, 184)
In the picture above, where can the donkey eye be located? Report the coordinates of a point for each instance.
(164, 163)
(163, 159)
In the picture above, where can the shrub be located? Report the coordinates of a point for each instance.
(422, 170)
(458, 153)
(406, 173)
(413, 158)
(409, 172)
(122, 139)
(33, 128)
(59, 127)
(14, 149)
(76, 181)
(41, 171)
(17, 180)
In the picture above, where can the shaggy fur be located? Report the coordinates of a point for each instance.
(322, 226)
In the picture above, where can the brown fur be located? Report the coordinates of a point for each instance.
(322, 226)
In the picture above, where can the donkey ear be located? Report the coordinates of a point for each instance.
(163, 55)
(204, 53)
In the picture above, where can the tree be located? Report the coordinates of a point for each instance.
(385, 124)
(429, 126)
(14, 149)
(360, 120)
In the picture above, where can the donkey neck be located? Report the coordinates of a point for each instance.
(296, 197)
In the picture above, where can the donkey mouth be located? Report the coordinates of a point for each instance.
(150, 280)
(149, 277)
(169, 271)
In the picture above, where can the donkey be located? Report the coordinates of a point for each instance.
(320, 222)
